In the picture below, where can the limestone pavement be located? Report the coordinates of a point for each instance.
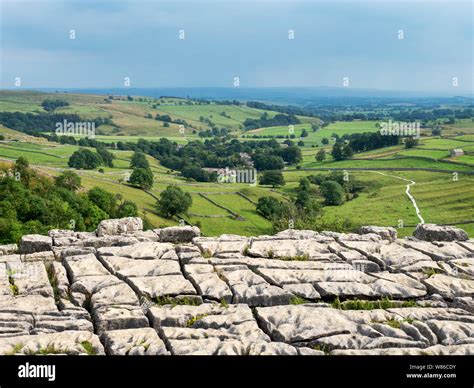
(121, 290)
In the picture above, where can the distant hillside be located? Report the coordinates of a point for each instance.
(286, 95)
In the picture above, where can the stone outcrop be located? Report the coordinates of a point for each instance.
(125, 291)
(432, 232)
(33, 243)
(119, 226)
(178, 234)
(387, 233)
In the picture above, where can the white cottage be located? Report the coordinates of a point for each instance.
(457, 152)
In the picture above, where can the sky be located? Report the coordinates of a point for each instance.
(353, 41)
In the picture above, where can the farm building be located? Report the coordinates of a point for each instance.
(457, 152)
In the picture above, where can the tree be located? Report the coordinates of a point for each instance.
(173, 201)
(127, 209)
(337, 151)
(411, 142)
(333, 193)
(139, 160)
(304, 133)
(269, 207)
(22, 163)
(142, 177)
(303, 193)
(103, 199)
(69, 180)
(10, 230)
(291, 155)
(106, 156)
(264, 161)
(302, 199)
(273, 178)
(84, 159)
(321, 155)
(47, 204)
(21, 168)
(91, 215)
(325, 140)
(193, 171)
(347, 151)
(50, 105)
(305, 184)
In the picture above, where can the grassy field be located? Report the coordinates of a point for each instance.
(400, 162)
(466, 137)
(382, 200)
(460, 127)
(315, 138)
(145, 202)
(252, 222)
(435, 154)
(35, 155)
(231, 117)
(133, 139)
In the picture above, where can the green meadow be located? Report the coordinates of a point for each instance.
(382, 200)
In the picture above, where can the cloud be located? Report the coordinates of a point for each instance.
(244, 38)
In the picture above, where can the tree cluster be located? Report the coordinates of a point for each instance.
(142, 176)
(31, 203)
(266, 121)
(50, 105)
(85, 159)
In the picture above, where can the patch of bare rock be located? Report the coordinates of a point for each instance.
(124, 291)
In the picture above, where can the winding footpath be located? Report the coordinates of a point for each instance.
(407, 192)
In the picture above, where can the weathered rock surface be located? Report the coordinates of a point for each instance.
(70, 342)
(176, 234)
(383, 232)
(8, 249)
(119, 226)
(147, 250)
(32, 243)
(113, 317)
(159, 286)
(134, 342)
(432, 232)
(125, 291)
(449, 286)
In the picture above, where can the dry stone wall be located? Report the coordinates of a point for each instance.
(122, 290)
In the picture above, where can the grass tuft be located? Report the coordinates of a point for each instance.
(304, 257)
(224, 303)
(89, 348)
(298, 300)
(11, 280)
(15, 349)
(168, 300)
(190, 322)
(206, 254)
(358, 304)
(50, 349)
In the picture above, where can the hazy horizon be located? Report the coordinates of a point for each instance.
(282, 95)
